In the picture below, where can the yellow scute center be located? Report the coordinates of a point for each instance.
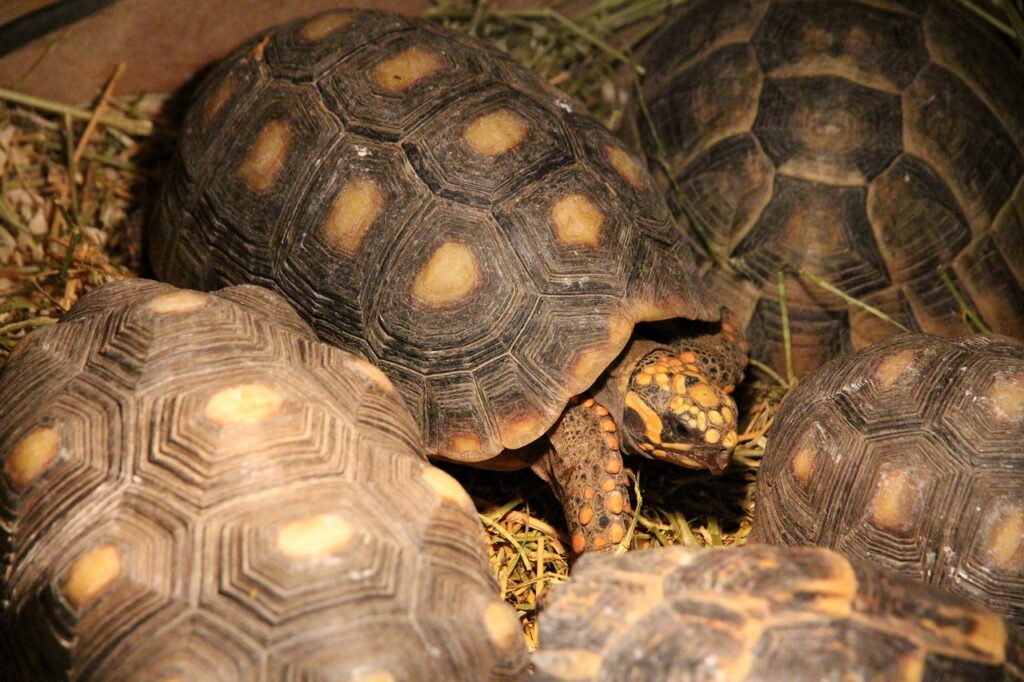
(1007, 397)
(354, 211)
(178, 302)
(32, 455)
(266, 157)
(448, 277)
(324, 25)
(495, 133)
(577, 221)
(91, 574)
(243, 404)
(407, 68)
(503, 628)
(315, 537)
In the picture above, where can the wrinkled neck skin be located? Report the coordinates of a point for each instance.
(668, 407)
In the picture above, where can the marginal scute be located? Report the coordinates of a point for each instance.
(1006, 397)
(324, 25)
(404, 70)
(91, 574)
(32, 456)
(183, 301)
(495, 133)
(353, 213)
(314, 537)
(448, 278)
(243, 404)
(577, 221)
(266, 156)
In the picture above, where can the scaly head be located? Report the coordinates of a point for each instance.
(673, 412)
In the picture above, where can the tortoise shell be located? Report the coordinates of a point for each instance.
(877, 144)
(425, 201)
(195, 488)
(763, 613)
(909, 453)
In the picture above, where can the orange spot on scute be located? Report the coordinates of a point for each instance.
(1006, 396)
(586, 515)
(613, 465)
(802, 464)
(579, 543)
(402, 71)
(449, 277)
(220, 97)
(495, 133)
(896, 501)
(32, 456)
(266, 156)
(324, 25)
(577, 221)
(626, 166)
(893, 367)
(616, 532)
(353, 213)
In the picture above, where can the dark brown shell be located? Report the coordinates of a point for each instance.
(878, 144)
(427, 202)
(763, 613)
(911, 454)
(194, 487)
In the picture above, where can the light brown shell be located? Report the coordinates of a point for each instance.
(194, 488)
(425, 201)
(878, 144)
(763, 613)
(910, 454)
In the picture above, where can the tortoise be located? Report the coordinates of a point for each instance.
(194, 487)
(763, 613)
(909, 453)
(877, 145)
(428, 203)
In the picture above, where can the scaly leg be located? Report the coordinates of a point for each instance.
(584, 468)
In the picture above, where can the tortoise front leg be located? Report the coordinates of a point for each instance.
(584, 468)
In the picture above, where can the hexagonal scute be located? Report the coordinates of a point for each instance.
(571, 234)
(492, 142)
(916, 100)
(388, 90)
(930, 433)
(312, 47)
(216, 487)
(828, 130)
(360, 201)
(761, 613)
(852, 40)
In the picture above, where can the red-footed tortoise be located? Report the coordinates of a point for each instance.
(425, 201)
(877, 144)
(763, 613)
(909, 453)
(195, 488)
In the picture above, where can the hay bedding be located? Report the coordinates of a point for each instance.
(75, 185)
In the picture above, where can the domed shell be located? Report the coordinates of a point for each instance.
(425, 201)
(193, 487)
(762, 613)
(877, 144)
(909, 453)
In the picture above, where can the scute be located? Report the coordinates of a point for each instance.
(413, 218)
(762, 613)
(912, 100)
(912, 425)
(212, 473)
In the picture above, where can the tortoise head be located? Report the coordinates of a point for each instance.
(673, 412)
